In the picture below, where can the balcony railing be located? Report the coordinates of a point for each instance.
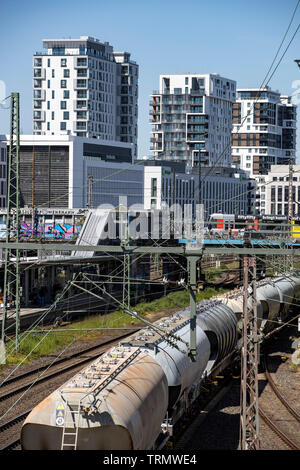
(80, 84)
(39, 115)
(80, 126)
(39, 94)
(39, 73)
(37, 62)
(37, 104)
(82, 73)
(80, 105)
(81, 63)
(37, 83)
(84, 115)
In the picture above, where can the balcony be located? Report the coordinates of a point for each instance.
(80, 84)
(37, 126)
(82, 94)
(39, 95)
(81, 62)
(37, 104)
(80, 105)
(39, 73)
(80, 126)
(37, 83)
(84, 115)
(200, 91)
(83, 73)
(39, 116)
(37, 62)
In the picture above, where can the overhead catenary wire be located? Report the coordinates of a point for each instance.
(263, 85)
(281, 57)
(228, 145)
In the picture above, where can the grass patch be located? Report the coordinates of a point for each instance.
(213, 273)
(55, 341)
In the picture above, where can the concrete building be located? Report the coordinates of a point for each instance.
(191, 118)
(162, 184)
(226, 190)
(223, 190)
(273, 190)
(66, 172)
(55, 170)
(264, 130)
(82, 87)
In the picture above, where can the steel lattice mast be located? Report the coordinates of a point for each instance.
(126, 260)
(249, 426)
(11, 291)
(289, 259)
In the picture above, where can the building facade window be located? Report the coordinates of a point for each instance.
(153, 187)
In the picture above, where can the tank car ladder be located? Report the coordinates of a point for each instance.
(73, 417)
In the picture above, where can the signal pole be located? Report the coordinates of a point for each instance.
(11, 291)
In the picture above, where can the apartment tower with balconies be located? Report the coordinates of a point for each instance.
(191, 118)
(82, 87)
(264, 130)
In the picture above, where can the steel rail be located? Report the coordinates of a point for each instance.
(63, 359)
(62, 370)
(283, 400)
(282, 436)
(11, 445)
(277, 392)
(8, 424)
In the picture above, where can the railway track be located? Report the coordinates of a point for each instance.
(290, 436)
(227, 278)
(33, 375)
(10, 429)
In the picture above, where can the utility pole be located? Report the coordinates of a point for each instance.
(249, 425)
(11, 294)
(126, 266)
(192, 260)
(192, 285)
(289, 261)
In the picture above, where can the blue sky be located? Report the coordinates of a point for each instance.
(236, 38)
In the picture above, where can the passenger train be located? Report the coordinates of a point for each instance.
(133, 395)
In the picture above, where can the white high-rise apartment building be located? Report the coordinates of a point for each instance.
(192, 118)
(264, 130)
(82, 87)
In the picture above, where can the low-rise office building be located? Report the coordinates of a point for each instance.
(63, 171)
(273, 190)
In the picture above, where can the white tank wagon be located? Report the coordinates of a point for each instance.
(274, 298)
(118, 402)
(220, 325)
(235, 301)
(133, 393)
(287, 292)
(172, 354)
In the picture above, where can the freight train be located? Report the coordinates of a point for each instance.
(132, 396)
